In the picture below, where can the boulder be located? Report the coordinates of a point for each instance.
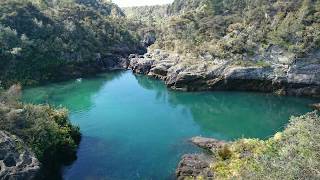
(17, 162)
(208, 143)
(193, 165)
(316, 106)
(141, 65)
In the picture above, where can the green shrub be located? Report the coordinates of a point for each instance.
(291, 154)
(46, 130)
(240, 28)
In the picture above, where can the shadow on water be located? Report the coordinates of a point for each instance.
(232, 115)
(79, 99)
(79, 92)
(94, 148)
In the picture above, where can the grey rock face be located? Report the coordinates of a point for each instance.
(16, 161)
(148, 39)
(282, 73)
(141, 65)
(207, 143)
(193, 165)
(316, 106)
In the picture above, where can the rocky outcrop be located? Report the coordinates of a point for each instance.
(17, 162)
(140, 65)
(316, 106)
(281, 73)
(207, 143)
(194, 165)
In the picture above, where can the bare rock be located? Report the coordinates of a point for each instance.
(141, 65)
(294, 76)
(193, 165)
(17, 162)
(316, 106)
(208, 143)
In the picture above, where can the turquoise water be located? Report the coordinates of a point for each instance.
(135, 128)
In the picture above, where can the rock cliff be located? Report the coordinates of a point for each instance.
(194, 165)
(280, 72)
(17, 162)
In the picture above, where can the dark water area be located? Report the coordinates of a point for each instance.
(135, 128)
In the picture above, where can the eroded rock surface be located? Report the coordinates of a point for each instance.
(316, 106)
(17, 162)
(280, 72)
(193, 165)
(207, 143)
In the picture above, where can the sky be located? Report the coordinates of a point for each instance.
(128, 3)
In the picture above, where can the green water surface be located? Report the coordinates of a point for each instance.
(135, 128)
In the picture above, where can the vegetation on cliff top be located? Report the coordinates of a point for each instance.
(239, 29)
(46, 130)
(38, 39)
(291, 154)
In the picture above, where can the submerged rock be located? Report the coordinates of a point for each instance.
(293, 76)
(17, 162)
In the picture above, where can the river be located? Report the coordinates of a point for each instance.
(135, 128)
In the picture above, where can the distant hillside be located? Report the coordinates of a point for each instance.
(146, 13)
(181, 6)
(104, 6)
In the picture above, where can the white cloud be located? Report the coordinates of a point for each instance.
(127, 3)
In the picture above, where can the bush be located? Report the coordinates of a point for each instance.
(291, 154)
(240, 28)
(46, 130)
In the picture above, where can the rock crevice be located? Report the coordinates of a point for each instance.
(17, 162)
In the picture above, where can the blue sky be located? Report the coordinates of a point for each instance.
(127, 3)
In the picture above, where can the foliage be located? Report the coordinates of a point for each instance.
(147, 14)
(39, 38)
(240, 29)
(291, 154)
(47, 131)
(147, 20)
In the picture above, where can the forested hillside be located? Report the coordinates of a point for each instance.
(241, 30)
(232, 29)
(47, 40)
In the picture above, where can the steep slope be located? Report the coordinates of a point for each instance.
(43, 41)
(241, 30)
(270, 46)
(16, 160)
